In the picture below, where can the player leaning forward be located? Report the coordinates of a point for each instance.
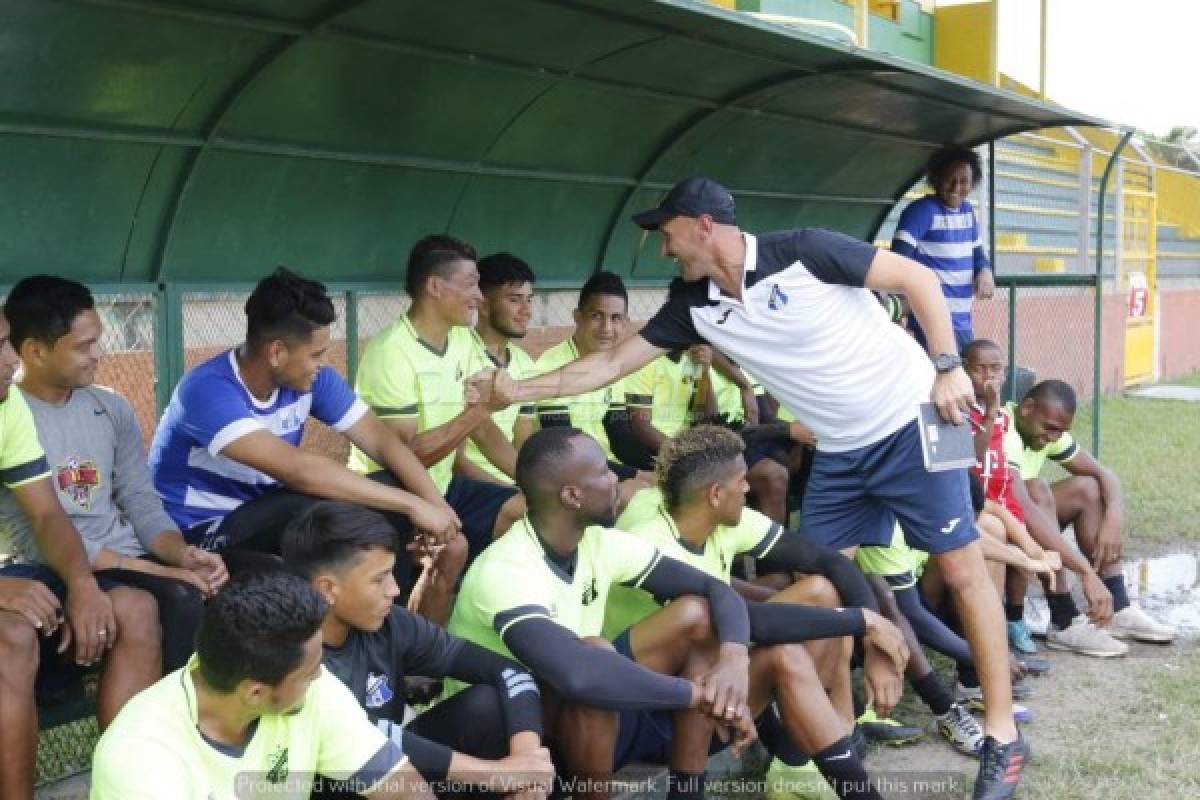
(794, 309)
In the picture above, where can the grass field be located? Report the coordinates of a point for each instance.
(1153, 445)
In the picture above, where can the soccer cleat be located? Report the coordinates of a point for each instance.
(858, 740)
(1000, 768)
(972, 697)
(961, 730)
(1082, 637)
(1020, 639)
(1035, 667)
(886, 730)
(1132, 622)
(785, 782)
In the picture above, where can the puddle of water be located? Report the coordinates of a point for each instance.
(1167, 587)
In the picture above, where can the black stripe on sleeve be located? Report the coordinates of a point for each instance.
(506, 618)
(378, 766)
(23, 472)
(392, 411)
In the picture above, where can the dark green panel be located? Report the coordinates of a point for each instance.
(295, 11)
(674, 65)
(246, 214)
(579, 130)
(528, 32)
(69, 206)
(557, 227)
(70, 61)
(348, 97)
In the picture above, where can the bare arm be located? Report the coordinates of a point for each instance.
(1015, 531)
(496, 448)
(642, 423)
(601, 368)
(952, 391)
(722, 364)
(1045, 531)
(524, 428)
(379, 441)
(320, 476)
(469, 469)
(433, 445)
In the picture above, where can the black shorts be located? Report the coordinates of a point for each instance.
(477, 504)
(57, 672)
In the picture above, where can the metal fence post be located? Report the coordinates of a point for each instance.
(351, 335)
(168, 343)
(1096, 385)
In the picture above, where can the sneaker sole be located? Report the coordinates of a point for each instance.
(958, 748)
(1084, 651)
(1148, 638)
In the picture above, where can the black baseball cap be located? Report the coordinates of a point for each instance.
(691, 197)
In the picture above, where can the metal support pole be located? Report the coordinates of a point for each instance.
(168, 342)
(351, 335)
(1042, 56)
(1096, 385)
(1012, 290)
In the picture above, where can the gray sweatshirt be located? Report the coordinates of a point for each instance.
(98, 468)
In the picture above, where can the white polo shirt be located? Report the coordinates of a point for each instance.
(810, 333)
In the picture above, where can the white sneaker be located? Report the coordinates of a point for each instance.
(1133, 623)
(1085, 638)
(961, 729)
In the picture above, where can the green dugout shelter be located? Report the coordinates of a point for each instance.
(168, 142)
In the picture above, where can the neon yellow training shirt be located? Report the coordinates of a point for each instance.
(520, 366)
(154, 750)
(404, 377)
(586, 411)
(755, 534)
(514, 579)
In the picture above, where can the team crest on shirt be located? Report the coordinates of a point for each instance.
(79, 481)
(590, 592)
(277, 772)
(778, 298)
(379, 691)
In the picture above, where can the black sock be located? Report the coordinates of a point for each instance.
(967, 675)
(1014, 613)
(775, 739)
(1116, 585)
(1062, 609)
(685, 785)
(844, 772)
(931, 691)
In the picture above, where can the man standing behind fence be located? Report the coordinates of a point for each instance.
(941, 231)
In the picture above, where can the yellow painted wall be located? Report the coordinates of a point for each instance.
(1179, 201)
(962, 40)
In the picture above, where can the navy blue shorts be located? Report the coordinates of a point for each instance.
(645, 736)
(477, 504)
(56, 672)
(854, 498)
(642, 736)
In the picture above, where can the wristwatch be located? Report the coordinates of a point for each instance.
(946, 362)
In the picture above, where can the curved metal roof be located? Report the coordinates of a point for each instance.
(156, 140)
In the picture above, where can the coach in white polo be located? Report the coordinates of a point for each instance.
(794, 309)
